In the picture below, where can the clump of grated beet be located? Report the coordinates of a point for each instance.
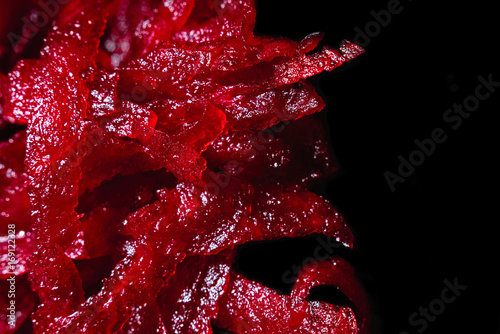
(156, 138)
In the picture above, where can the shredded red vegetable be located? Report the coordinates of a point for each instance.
(153, 138)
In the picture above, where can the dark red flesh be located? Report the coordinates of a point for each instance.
(156, 137)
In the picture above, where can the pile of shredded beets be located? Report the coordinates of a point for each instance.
(154, 138)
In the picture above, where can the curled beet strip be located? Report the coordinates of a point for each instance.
(253, 155)
(21, 103)
(145, 319)
(249, 307)
(227, 212)
(108, 155)
(284, 71)
(339, 273)
(56, 124)
(235, 53)
(180, 151)
(259, 111)
(135, 280)
(265, 213)
(131, 121)
(24, 248)
(189, 301)
(55, 279)
(293, 153)
(25, 303)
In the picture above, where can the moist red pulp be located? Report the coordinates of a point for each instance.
(159, 136)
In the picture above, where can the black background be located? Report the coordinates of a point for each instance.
(441, 222)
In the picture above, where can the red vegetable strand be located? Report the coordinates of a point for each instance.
(249, 307)
(337, 272)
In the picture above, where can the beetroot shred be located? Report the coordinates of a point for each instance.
(156, 137)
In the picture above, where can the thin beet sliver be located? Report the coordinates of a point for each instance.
(292, 153)
(53, 176)
(250, 307)
(189, 303)
(284, 71)
(228, 212)
(50, 268)
(135, 280)
(339, 273)
(262, 110)
(252, 155)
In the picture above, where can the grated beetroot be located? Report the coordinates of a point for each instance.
(249, 307)
(155, 138)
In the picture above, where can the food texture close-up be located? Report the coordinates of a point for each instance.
(144, 144)
(248, 167)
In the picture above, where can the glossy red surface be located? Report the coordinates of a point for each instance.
(249, 307)
(159, 137)
(339, 273)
